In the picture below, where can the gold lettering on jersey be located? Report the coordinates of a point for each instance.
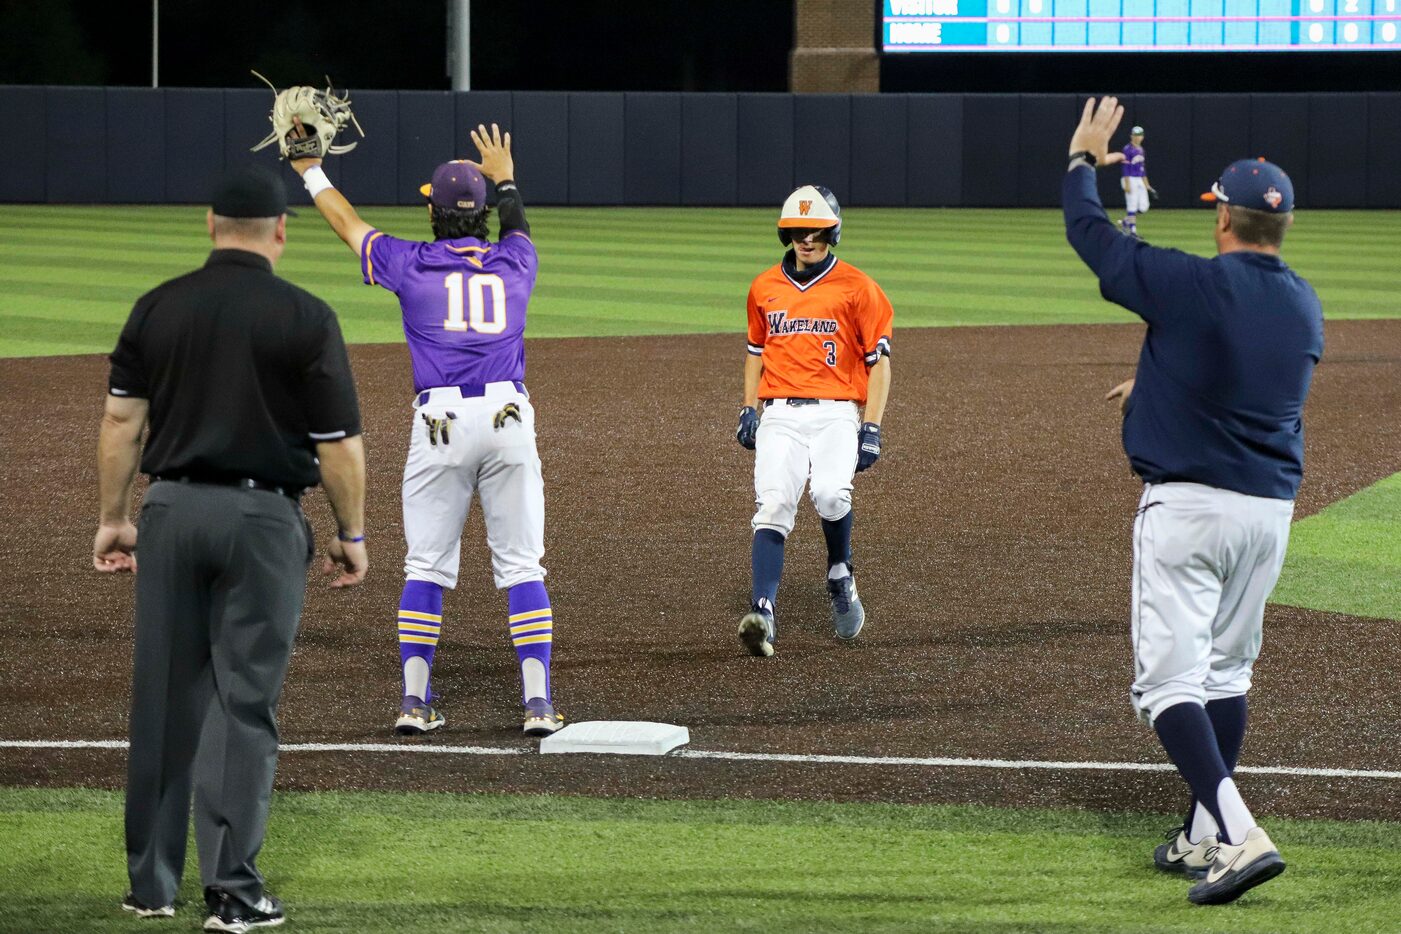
(780, 323)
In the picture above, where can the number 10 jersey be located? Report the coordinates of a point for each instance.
(463, 302)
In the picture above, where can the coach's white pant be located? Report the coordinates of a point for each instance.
(798, 443)
(1135, 194)
(500, 465)
(1204, 562)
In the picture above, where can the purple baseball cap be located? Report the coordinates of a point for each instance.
(1255, 184)
(458, 185)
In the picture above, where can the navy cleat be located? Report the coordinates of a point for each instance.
(848, 615)
(757, 631)
(417, 717)
(541, 718)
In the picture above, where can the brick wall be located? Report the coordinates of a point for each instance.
(834, 47)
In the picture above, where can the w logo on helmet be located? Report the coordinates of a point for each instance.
(804, 207)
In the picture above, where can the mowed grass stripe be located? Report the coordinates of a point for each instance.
(619, 271)
(357, 861)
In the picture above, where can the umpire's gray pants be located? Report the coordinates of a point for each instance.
(219, 587)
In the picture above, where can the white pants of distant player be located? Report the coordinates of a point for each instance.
(1205, 561)
(1135, 194)
(799, 445)
(500, 465)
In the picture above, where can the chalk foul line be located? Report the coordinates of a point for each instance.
(907, 761)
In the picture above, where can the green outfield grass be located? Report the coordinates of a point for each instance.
(1347, 558)
(463, 863)
(70, 274)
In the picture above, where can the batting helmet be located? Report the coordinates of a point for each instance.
(810, 206)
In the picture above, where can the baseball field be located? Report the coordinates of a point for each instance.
(970, 764)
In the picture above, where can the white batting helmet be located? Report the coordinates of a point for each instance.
(810, 206)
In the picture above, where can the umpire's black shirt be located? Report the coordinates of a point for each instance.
(244, 372)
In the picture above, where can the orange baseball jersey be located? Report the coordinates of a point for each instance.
(818, 338)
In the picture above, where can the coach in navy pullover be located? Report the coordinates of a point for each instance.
(1231, 345)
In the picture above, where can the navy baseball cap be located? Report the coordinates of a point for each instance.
(1255, 184)
(251, 191)
(458, 185)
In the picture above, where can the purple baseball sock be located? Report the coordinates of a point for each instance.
(532, 626)
(420, 621)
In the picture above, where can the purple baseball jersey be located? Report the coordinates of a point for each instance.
(1134, 166)
(463, 301)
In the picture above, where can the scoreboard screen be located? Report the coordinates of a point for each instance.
(1140, 25)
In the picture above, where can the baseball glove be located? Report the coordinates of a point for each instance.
(322, 113)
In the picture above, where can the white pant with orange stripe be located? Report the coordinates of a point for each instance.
(500, 465)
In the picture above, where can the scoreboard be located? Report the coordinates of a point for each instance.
(1140, 25)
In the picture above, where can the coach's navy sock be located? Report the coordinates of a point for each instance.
(1228, 717)
(838, 535)
(1187, 734)
(767, 561)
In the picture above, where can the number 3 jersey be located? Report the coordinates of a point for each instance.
(819, 330)
(463, 301)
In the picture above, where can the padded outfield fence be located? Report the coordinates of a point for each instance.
(168, 145)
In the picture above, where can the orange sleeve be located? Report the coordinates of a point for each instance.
(876, 319)
(758, 329)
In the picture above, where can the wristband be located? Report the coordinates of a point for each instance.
(1085, 156)
(350, 539)
(316, 181)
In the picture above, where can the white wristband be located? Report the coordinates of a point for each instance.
(315, 181)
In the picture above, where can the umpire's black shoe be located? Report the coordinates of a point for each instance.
(233, 915)
(141, 910)
(1237, 868)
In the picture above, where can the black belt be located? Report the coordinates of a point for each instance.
(468, 390)
(243, 483)
(791, 401)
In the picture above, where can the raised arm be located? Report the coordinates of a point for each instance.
(497, 165)
(331, 203)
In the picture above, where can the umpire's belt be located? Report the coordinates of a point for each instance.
(243, 483)
(442, 394)
(769, 402)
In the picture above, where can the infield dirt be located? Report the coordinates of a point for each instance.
(991, 545)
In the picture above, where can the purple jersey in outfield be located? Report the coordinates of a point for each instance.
(1133, 161)
(463, 301)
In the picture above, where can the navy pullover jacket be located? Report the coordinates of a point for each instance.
(1226, 364)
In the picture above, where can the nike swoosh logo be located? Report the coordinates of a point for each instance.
(1214, 876)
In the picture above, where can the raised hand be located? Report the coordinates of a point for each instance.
(1097, 125)
(495, 149)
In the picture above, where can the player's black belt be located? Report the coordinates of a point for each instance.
(792, 401)
(243, 483)
(468, 390)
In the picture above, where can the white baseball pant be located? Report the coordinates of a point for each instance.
(500, 465)
(1135, 194)
(1204, 562)
(813, 444)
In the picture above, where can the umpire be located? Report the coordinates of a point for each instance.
(1213, 424)
(245, 382)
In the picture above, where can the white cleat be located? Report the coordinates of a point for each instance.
(1237, 868)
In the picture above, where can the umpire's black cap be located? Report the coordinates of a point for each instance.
(251, 191)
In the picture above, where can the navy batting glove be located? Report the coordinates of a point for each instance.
(868, 451)
(748, 428)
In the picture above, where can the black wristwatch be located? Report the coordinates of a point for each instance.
(1085, 154)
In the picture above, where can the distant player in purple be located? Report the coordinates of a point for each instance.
(464, 302)
(1135, 181)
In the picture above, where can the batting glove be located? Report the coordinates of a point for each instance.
(1153, 192)
(748, 428)
(869, 451)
